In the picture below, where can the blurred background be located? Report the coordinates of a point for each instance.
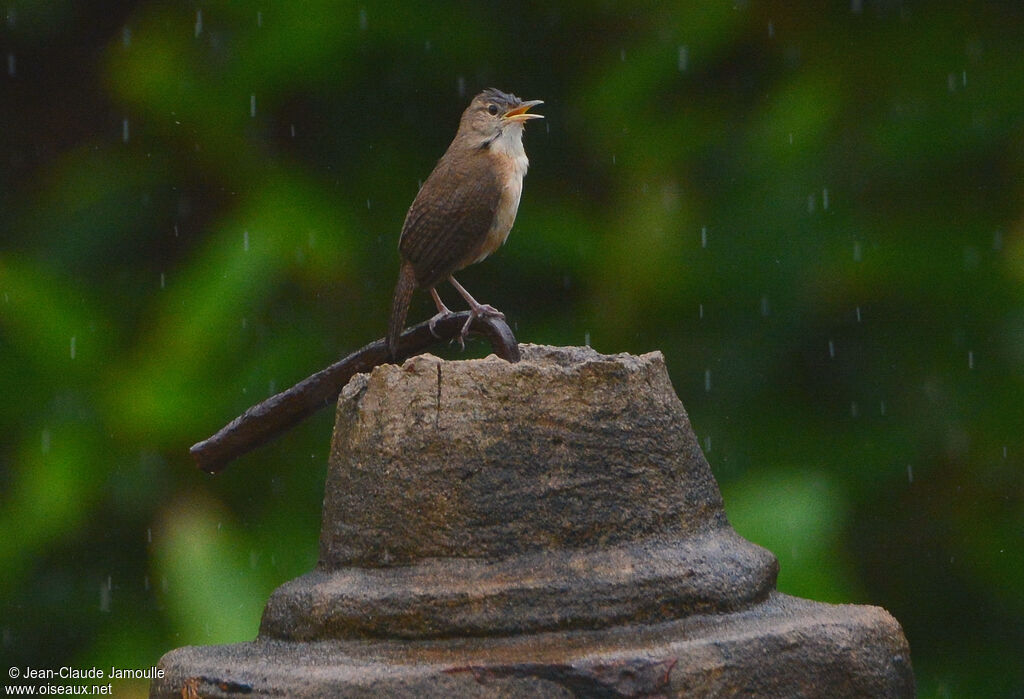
(815, 213)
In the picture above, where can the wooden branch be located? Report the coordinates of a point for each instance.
(264, 421)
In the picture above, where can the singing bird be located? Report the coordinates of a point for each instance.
(465, 209)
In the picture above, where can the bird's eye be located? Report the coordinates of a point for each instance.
(492, 109)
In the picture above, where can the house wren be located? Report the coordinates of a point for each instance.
(465, 209)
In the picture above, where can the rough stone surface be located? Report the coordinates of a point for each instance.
(486, 459)
(545, 528)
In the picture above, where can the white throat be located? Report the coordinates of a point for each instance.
(510, 143)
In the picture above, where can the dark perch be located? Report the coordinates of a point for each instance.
(264, 421)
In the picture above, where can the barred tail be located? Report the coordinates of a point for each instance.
(400, 305)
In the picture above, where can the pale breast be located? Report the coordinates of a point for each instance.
(511, 158)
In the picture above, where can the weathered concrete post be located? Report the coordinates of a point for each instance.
(546, 528)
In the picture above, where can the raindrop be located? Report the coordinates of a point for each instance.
(362, 19)
(175, 230)
(707, 443)
(293, 130)
(881, 407)
(145, 583)
(10, 65)
(12, 16)
(613, 158)
(854, 410)
(163, 583)
(997, 240)
(149, 535)
(951, 82)
(771, 30)
(824, 199)
(47, 438)
(426, 46)
(126, 36)
(910, 473)
(970, 359)
(1004, 451)
(367, 204)
(74, 341)
(163, 280)
(259, 19)
(252, 105)
(105, 590)
(810, 203)
(199, 23)
(764, 306)
(622, 55)
(272, 387)
(831, 350)
(460, 85)
(963, 79)
(245, 323)
(707, 380)
(124, 130)
(586, 339)
(684, 57)
(856, 251)
(245, 241)
(790, 138)
(858, 314)
(7, 637)
(253, 558)
(704, 236)
(856, 6)
(700, 311)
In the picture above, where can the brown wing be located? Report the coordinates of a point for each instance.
(450, 216)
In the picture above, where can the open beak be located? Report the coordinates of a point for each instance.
(520, 113)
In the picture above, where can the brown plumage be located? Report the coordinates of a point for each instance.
(465, 209)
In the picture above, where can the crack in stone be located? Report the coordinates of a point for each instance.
(437, 411)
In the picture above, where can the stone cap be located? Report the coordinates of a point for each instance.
(566, 449)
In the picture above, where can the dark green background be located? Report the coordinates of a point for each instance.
(814, 210)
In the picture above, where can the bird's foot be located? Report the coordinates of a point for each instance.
(486, 310)
(481, 310)
(437, 318)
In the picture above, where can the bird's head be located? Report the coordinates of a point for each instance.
(493, 112)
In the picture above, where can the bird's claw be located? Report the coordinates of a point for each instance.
(482, 311)
(488, 311)
(465, 331)
(435, 319)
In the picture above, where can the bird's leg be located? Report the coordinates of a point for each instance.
(442, 312)
(477, 310)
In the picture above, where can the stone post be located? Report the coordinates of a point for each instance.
(545, 528)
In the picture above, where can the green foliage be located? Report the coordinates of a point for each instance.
(816, 214)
